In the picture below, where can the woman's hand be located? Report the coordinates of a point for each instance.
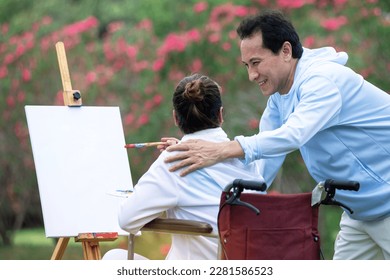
(168, 141)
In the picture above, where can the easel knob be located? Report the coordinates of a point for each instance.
(72, 98)
(76, 95)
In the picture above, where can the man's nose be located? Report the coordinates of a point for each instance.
(252, 75)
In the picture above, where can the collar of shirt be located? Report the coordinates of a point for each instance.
(211, 134)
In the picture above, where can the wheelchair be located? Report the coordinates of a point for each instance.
(258, 226)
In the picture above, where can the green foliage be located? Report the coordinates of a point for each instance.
(132, 54)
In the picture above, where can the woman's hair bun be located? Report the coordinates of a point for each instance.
(193, 91)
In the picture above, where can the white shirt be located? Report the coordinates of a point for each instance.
(195, 196)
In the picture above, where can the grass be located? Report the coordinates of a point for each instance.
(32, 244)
(329, 219)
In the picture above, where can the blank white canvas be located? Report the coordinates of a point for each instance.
(79, 157)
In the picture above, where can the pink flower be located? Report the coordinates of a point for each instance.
(158, 64)
(173, 42)
(175, 75)
(20, 49)
(109, 54)
(45, 43)
(143, 119)
(194, 35)
(115, 26)
(196, 65)
(148, 105)
(140, 66)
(309, 42)
(292, 4)
(80, 26)
(145, 24)
(121, 44)
(26, 75)
(118, 65)
(8, 58)
(3, 72)
(21, 96)
(131, 51)
(232, 35)
(333, 24)
(10, 101)
(200, 7)
(129, 118)
(91, 77)
(157, 99)
(377, 12)
(214, 38)
(226, 46)
(241, 11)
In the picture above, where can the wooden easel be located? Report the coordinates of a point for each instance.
(90, 241)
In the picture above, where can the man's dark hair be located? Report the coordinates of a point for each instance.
(275, 30)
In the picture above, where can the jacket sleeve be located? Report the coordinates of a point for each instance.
(155, 192)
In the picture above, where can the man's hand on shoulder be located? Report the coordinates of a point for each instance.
(196, 154)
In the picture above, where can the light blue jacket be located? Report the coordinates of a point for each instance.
(341, 125)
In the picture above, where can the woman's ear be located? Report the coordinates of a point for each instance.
(174, 117)
(220, 117)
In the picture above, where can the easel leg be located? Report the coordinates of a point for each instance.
(59, 250)
(90, 243)
(91, 250)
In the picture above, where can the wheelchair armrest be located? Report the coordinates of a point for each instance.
(174, 226)
(178, 226)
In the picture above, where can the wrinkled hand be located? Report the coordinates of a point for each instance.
(168, 141)
(194, 154)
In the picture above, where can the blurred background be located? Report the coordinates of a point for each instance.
(131, 54)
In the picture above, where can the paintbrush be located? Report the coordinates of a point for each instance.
(142, 145)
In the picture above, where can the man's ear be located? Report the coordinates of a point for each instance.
(174, 117)
(287, 51)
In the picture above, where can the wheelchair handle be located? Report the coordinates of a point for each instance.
(237, 186)
(330, 187)
(255, 185)
(342, 185)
